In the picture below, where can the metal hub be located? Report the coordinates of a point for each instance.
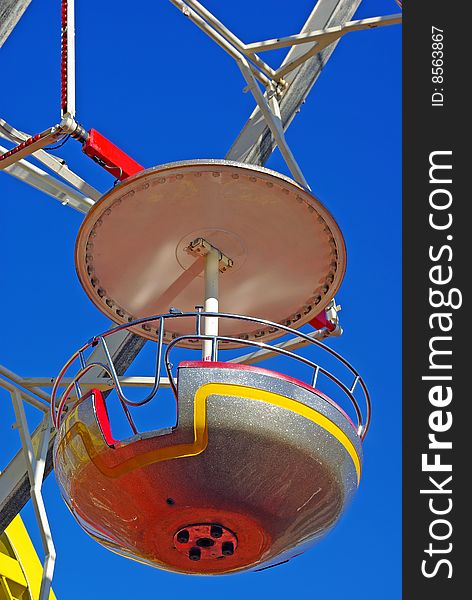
(205, 541)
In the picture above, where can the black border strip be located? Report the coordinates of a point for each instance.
(436, 267)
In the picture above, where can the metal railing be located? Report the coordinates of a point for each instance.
(362, 410)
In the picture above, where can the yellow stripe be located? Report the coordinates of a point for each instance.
(249, 393)
(200, 425)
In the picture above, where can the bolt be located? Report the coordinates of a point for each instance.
(194, 553)
(205, 542)
(227, 548)
(183, 536)
(216, 531)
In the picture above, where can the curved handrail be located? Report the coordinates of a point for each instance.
(109, 368)
(360, 425)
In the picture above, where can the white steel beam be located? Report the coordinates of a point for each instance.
(271, 112)
(11, 12)
(10, 380)
(329, 33)
(229, 35)
(35, 466)
(57, 165)
(255, 143)
(31, 145)
(315, 49)
(66, 128)
(98, 383)
(39, 179)
(322, 39)
(216, 37)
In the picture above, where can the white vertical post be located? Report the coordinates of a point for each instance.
(71, 58)
(210, 325)
(68, 59)
(35, 466)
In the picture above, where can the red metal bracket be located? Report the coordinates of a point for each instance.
(109, 156)
(321, 321)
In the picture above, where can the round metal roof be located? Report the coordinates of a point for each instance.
(288, 252)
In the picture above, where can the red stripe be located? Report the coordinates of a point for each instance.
(102, 414)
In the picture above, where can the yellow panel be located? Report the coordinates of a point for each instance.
(20, 566)
(10, 568)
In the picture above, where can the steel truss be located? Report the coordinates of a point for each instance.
(35, 462)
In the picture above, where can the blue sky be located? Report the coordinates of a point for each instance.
(154, 84)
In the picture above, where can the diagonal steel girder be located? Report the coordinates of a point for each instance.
(11, 12)
(253, 145)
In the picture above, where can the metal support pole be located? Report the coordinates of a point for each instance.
(58, 165)
(324, 36)
(256, 142)
(229, 35)
(36, 468)
(271, 112)
(98, 383)
(68, 59)
(11, 12)
(210, 325)
(39, 179)
(16, 380)
(216, 37)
